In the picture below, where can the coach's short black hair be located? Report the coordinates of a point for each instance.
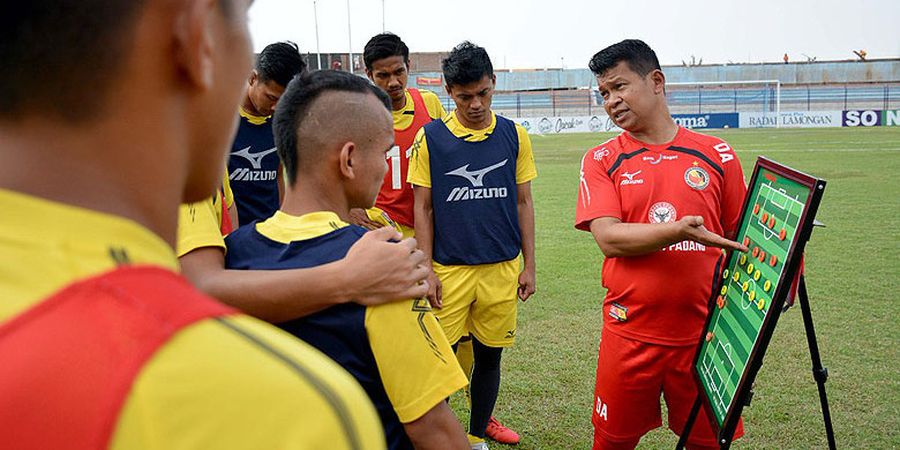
(280, 62)
(291, 110)
(641, 59)
(57, 57)
(382, 46)
(466, 63)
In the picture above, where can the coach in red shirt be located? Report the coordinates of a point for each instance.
(657, 198)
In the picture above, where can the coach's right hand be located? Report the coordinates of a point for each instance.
(692, 228)
(385, 271)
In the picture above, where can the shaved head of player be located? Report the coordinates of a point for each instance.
(112, 112)
(333, 130)
(341, 156)
(662, 233)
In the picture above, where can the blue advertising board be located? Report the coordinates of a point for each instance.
(710, 120)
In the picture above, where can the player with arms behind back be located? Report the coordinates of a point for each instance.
(472, 174)
(657, 198)
(387, 65)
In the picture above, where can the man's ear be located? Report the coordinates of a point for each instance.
(347, 159)
(659, 81)
(254, 77)
(194, 41)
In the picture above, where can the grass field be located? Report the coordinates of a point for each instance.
(853, 267)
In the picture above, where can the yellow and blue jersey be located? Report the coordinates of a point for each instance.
(397, 351)
(253, 168)
(473, 183)
(235, 382)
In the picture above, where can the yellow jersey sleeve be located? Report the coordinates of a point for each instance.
(433, 105)
(415, 361)
(238, 383)
(227, 192)
(199, 226)
(525, 167)
(419, 164)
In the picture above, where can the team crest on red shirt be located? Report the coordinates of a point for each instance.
(696, 177)
(662, 212)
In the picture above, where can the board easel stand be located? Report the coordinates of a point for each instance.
(820, 374)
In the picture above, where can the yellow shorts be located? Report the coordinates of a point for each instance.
(378, 215)
(480, 300)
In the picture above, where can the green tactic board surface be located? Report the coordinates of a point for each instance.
(769, 226)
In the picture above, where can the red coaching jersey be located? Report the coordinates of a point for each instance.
(661, 297)
(396, 195)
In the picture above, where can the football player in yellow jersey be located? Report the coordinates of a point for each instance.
(472, 174)
(332, 131)
(386, 58)
(114, 162)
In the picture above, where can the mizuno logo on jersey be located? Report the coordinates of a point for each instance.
(629, 178)
(246, 174)
(254, 158)
(465, 193)
(476, 177)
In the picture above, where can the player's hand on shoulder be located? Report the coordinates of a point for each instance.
(691, 228)
(386, 270)
(527, 284)
(359, 217)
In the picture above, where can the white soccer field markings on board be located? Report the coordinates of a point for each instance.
(787, 206)
(717, 386)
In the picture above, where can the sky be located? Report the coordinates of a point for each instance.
(565, 33)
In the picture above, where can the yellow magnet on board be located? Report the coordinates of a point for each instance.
(767, 285)
(757, 275)
(745, 286)
(750, 268)
(761, 304)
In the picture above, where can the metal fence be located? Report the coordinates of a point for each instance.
(701, 100)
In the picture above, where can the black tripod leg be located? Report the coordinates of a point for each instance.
(682, 440)
(819, 373)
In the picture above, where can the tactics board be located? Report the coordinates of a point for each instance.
(775, 224)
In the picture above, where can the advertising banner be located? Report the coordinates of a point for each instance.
(791, 119)
(862, 118)
(557, 125)
(711, 120)
(890, 118)
(429, 81)
(595, 124)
